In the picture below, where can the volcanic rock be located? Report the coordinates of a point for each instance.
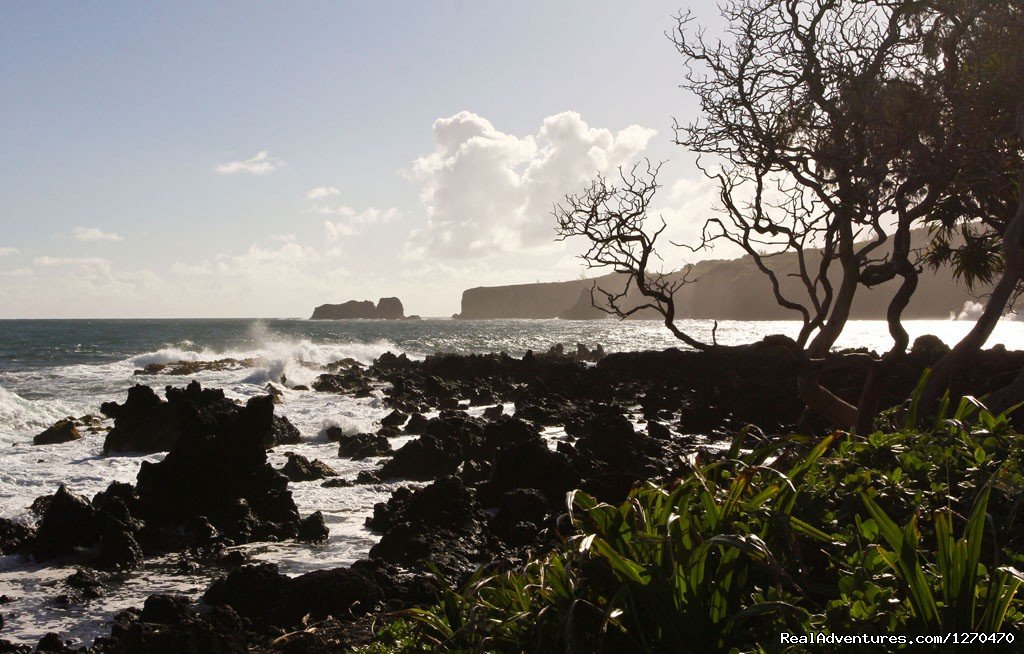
(62, 431)
(299, 468)
(145, 423)
(361, 446)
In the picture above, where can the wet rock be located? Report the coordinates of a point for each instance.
(521, 513)
(87, 584)
(163, 628)
(62, 431)
(322, 593)
(612, 456)
(40, 504)
(222, 476)
(367, 477)
(658, 430)
(334, 433)
(119, 529)
(51, 642)
(427, 457)
(190, 368)
(348, 382)
(166, 609)
(260, 593)
(299, 468)
(390, 362)
(441, 523)
(337, 482)
(361, 446)
(417, 424)
(15, 538)
(119, 550)
(145, 423)
(312, 529)
(447, 441)
(531, 464)
(494, 412)
(448, 403)
(249, 590)
(69, 522)
(389, 432)
(394, 419)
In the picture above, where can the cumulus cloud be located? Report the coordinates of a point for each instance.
(49, 262)
(321, 192)
(7, 251)
(352, 225)
(261, 164)
(487, 191)
(336, 230)
(94, 234)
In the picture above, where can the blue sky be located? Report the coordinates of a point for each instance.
(255, 158)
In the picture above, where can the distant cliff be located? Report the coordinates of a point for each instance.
(731, 289)
(521, 300)
(387, 308)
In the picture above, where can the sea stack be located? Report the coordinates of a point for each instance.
(387, 308)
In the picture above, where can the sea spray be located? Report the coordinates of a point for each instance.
(20, 416)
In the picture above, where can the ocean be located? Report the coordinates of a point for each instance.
(50, 369)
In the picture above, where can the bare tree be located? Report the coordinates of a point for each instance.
(832, 128)
(613, 220)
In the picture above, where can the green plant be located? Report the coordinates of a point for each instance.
(956, 592)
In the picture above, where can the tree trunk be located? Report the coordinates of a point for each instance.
(951, 363)
(825, 403)
(823, 341)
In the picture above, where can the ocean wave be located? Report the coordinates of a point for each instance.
(296, 360)
(19, 415)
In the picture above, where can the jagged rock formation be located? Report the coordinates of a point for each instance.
(387, 308)
(146, 423)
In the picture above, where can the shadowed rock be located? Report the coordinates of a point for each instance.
(299, 468)
(145, 423)
(62, 431)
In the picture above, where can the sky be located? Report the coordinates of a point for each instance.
(255, 159)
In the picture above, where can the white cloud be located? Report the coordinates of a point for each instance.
(335, 211)
(321, 192)
(365, 217)
(50, 262)
(6, 252)
(94, 234)
(486, 191)
(18, 272)
(261, 164)
(336, 230)
(373, 215)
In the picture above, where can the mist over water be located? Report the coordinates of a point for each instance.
(50, 369)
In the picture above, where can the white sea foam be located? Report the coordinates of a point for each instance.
(19, 415)
(296, 360)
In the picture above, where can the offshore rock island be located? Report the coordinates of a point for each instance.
(387, 308)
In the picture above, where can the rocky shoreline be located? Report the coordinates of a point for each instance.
(488, 482)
